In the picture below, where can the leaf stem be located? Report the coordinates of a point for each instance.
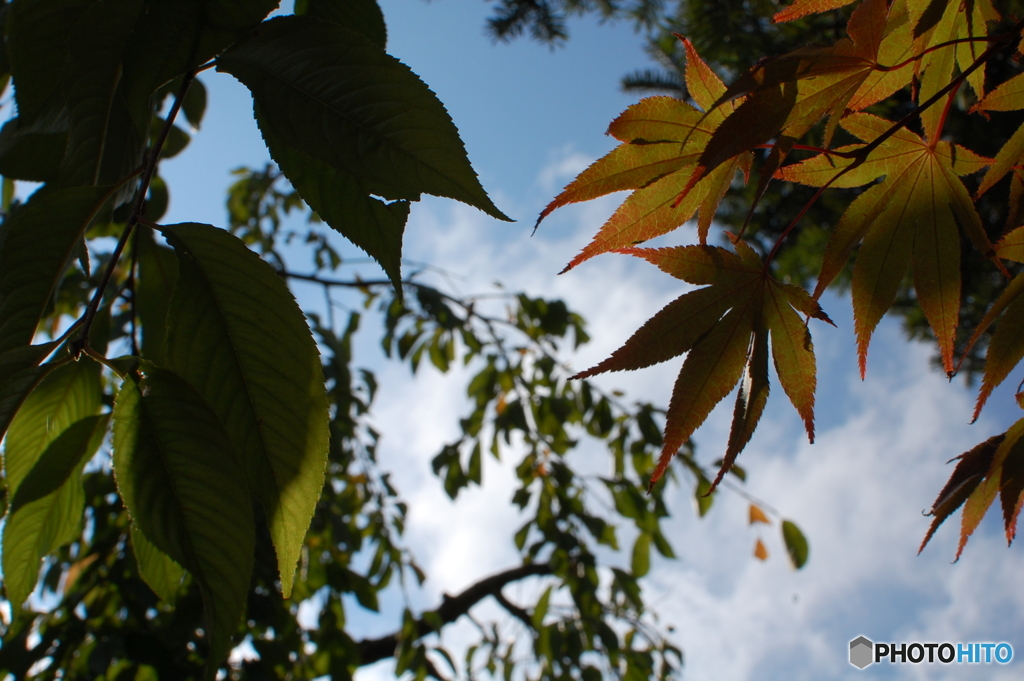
(149, 168)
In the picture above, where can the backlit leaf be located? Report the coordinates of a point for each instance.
(46, 511)
(1006, 347)
(184, 488)
(49, 516)
(19, 374)
(760, 550)
(919, 227)
(234, 330)
(802, 8)
(796, 544)
(966, 476)
(157, 569)
(756, 515)
(336, 96)
(725, 328)
(662, 139)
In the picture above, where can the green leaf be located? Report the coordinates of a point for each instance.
(62, 456)
(156, 568)
(361, 16)
(174, 36)
(183, 486)
(37, 37)
(35, 247)
(19, 374)
(641, 562)
(194, 104)
(796, 544)
(68, 394)
(158, 270)
(344, 204)
(333, 94)
(237, 335)
(30, 153)
(104, 142)
(541, 609)
(46, 511)
(36, 453)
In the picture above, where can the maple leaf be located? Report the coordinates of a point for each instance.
(940, 21)
(661, 139)
(803, 8)
(911, 216)
(725, 329)
(994, 467)
(1006, 347)
(1009, 96)
(790, 93)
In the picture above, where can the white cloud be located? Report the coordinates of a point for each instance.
(857, 493)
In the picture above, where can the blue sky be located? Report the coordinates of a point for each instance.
(531, 118)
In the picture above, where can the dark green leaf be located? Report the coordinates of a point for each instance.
(361, 16)
(173, 36)
(194, 104)
(344, 204)
(37, 37)
(183, 485)
(158, 270)
(237, 335)
(104, 143)
(333, 94)
(19, 374)
(35, 247)
(32, 153)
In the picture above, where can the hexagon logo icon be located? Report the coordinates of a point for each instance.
(861, 652)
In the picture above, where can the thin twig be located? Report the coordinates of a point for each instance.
(140, 200)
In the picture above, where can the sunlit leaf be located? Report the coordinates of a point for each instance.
(47, 510)
(760, 550)
(802, 8)
(918, 227)
(236, 333)
(968, 474)
(157, 569)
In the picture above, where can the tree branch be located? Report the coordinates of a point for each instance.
(451, 608)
